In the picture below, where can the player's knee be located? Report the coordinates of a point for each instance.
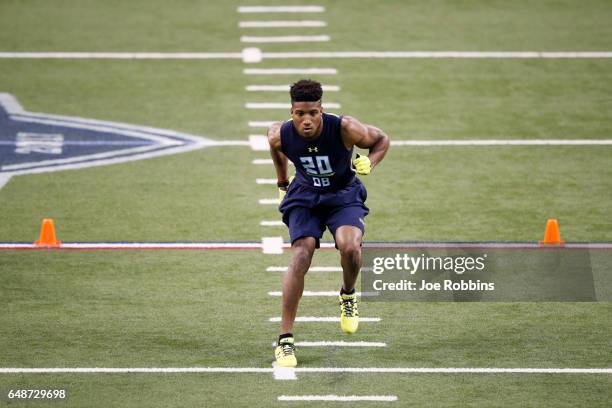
(350, 250)
(302, 254)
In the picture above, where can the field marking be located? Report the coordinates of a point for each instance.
(272, 223)
(339, 398)
(283, 373)
(269, 201)
(4, 179)
(261, 124)
(308, 293)
(284, 105)
(440, 54)
(270, 370)
(267, 161)
(259, 143)
(284, 39)
(504, 142)
(282, 23)
(265, 181)
(313, 55)
(285, 88)
(290, 71)
(341, 343)
(326, 319)
(324, 245)
(272, 245)
(281, 9)
(311, 269)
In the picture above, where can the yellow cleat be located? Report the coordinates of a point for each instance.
(349, 314)
(285, 353)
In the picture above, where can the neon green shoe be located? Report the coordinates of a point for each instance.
(349, 314)
(285, 353)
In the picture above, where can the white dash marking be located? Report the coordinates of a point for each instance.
(282, 105)
(326, 319)
(262, 161)
(311, 293)
(271, 223)
(504, 142)
(269, 201)
(265, 181)
(284, 39)
(285, 88)
(339, 398)
(282, 23)
(272, 245)
(281, 9)
(283, 373)
(341, 343)
(259, 143)
(290, 71)
(312, 269)
(261, 124)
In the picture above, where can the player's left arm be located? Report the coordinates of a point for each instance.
(355, 133)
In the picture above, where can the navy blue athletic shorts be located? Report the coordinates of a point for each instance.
(307, 212)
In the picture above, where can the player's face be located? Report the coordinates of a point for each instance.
(307, 118)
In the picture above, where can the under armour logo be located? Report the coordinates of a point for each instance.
(313, 149)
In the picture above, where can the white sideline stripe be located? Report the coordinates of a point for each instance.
(312, 269)
(260, 124)
(283, 105)
(272, 245)
(341, 398)
(281, 9)
(259, 143)
(283, 373)
(290, 71)
(269, 201)
(327, 319)
(122, 55)
(285, 88)
(311, 293)
(282, 23)
(271, 223)
(338, 344)
(501, 142)
(438, 54)
(285, 39)
(369, 370)
(302, 55)
(265, 181)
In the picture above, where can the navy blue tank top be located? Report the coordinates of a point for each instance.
(323, 164)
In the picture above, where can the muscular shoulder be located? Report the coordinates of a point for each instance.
(353, 131)
(274, 135)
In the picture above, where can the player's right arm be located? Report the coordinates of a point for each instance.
(278, 158)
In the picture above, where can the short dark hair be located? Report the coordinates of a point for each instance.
(306, 90)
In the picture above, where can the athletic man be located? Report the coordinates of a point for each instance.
(324, 193)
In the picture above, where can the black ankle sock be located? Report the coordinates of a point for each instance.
(344, 292)
(284, 336)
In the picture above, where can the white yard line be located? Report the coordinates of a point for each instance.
(338, 344)
(283, 105)
(283, 373)
(367, 370)
(313, 55)
(272, 223)
(261, 124)
(284, 39)
(326, 319)
(338, 398)
(285, 88)
(308, 293)
(259, 143)
(269, 201)
(290, 71)
(265, 181)
(281, 9)
(281, 23)
(312, 269)
(504, 142)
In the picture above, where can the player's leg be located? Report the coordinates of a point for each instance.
(348, 241)
(293, 280)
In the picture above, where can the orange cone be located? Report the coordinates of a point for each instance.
(47, 235)
(552, 235)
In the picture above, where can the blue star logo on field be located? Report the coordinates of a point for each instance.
(39, 142)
